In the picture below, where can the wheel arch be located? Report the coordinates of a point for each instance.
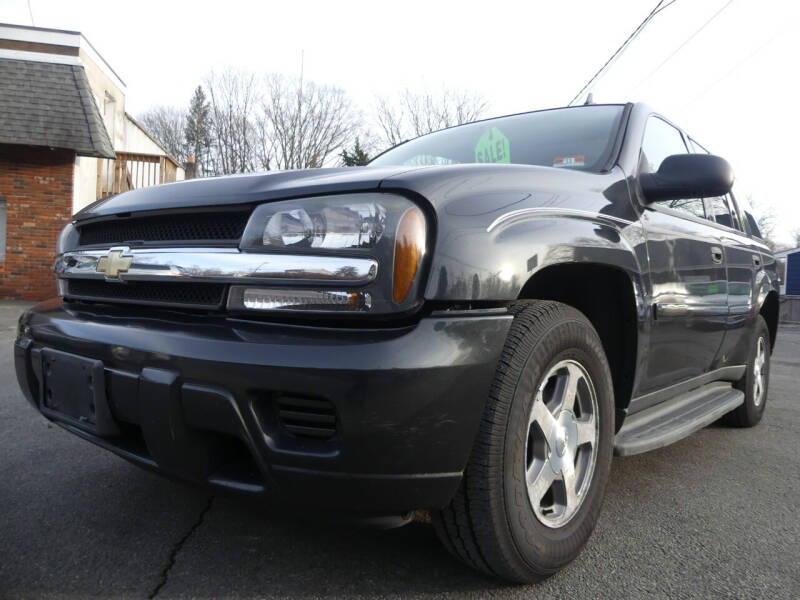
(607, 295)
(770, 309)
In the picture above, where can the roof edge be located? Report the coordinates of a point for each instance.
(34, 28)
(144, 130)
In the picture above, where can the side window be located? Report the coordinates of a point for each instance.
(752, 225)
(721, 212)
(746, 212)
(660, 141)
(692, 206)
(736, 213)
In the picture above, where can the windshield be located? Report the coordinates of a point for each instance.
(579, 137)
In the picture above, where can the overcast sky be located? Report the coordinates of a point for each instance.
(733, 86)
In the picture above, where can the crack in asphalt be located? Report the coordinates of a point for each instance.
(173, 554)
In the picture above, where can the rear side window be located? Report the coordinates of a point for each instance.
(749, 216)
(736, 213)
(660, 141)
(720, 210)
(752, 225)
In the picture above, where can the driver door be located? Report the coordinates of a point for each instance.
(689, 289)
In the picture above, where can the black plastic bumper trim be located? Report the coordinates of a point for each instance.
(197, 398)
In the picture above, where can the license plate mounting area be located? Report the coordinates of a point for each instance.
(73, 391)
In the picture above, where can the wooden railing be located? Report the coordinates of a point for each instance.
(130, 171)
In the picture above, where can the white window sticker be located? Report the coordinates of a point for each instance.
(575, 160)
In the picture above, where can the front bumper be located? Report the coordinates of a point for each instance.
(205, 399)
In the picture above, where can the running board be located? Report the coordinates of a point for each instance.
(676, 418)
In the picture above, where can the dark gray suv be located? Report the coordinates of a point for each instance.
(473, 325)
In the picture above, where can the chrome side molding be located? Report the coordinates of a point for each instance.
(212, 264)
(551, 211)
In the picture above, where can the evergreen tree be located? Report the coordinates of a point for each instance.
(355, 158)
(198, 133)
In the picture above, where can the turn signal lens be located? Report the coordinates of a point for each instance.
(409, 248)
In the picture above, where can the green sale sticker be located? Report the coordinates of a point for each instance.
(493, 147)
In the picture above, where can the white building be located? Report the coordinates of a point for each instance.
(140, 160)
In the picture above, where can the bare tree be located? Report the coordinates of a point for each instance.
(767, 219)
(233, 98)
(391, 119)
(463, 107)
(306, 123)
(167, 125)
(764, 215)
(265, 146)
(418, 113)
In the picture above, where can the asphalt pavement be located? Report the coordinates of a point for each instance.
(715, 515)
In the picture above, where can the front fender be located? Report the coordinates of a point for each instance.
(766, 279)
(493, 260)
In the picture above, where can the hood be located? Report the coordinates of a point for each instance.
(241, 189)
(467, 189)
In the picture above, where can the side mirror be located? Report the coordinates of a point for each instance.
(683, 176)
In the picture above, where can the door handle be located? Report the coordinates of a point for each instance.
(756, 260)
(716, 254)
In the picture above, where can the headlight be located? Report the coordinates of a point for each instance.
(384, 227)
(334, 223)
(339, 226)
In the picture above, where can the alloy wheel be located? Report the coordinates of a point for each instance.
(561, 447)
(758, 371)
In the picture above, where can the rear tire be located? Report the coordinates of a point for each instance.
(755, 382)
(514, 515)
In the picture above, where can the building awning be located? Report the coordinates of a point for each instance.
(48, 104)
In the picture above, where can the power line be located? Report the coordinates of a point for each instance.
(665, 6)
(658, 8)
(30, 12)
(679, 48)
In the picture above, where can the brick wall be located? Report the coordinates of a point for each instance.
(36, 185)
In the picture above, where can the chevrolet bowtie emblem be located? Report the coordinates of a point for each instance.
(114, 263)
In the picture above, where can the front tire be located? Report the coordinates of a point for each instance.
(755, 382)
(534, 485)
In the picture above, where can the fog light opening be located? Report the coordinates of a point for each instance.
(301, 300)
